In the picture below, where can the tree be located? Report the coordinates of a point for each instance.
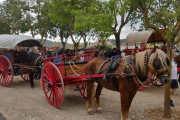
(123, 9)
(61, 12)
(5, 29)
(43, 21)
(31, 19)
(61, 31)
(164, 17)
(12, 14)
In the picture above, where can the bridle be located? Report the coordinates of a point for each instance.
(157, 72)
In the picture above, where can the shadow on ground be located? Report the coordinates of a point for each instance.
(1, 117)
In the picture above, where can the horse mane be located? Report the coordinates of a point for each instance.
(159, 54)
(140, 62)
(140, 59)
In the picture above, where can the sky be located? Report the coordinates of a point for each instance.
(125, 31)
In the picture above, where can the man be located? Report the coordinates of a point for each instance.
(174, 81)
(32, 55)
(113, 53)
(118, 51)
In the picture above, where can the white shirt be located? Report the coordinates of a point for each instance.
(122, 54)
(174, 70)
(36, 49)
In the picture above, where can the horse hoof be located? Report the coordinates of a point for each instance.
(90, 113)
(99, 111)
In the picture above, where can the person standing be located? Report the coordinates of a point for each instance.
(174, 81)
(32, 52)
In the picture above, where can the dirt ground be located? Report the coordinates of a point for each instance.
(20, 102)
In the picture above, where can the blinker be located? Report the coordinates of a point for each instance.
(156, 64)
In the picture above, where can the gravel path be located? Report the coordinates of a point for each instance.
(20, 102)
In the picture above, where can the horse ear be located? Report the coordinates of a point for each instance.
(154, 49)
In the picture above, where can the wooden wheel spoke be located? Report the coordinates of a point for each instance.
(49, 70)
(49, 90)
(56, 84)
(46, 71)
(9, 73)
(59, 89)
(47, 78)
(59, 93)
(1, 77)
(57, 96)
(50, 94)
(53, 96)
(7, 78)
(47, 81)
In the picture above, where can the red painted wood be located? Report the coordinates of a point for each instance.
(6, 71)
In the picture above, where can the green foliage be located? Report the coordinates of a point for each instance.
(159, 14)
(12, 13)
(104, 47)
(5, 29)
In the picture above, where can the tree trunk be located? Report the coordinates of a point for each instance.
(76, 48)
(117, 37)
(85, 45)
(64, 44)
(167, 110)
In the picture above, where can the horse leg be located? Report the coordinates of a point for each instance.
(97, 103)
(90, 85)
(126, 99)
(31, 75)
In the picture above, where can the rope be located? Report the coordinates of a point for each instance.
(75, 65)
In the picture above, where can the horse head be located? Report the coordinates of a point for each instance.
(158, 65)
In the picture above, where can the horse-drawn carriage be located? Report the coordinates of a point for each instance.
(122, 75)
(14, 59)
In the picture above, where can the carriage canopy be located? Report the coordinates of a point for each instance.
(144, 37)
(11, 41)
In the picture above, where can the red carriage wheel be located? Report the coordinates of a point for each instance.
(25, 77)
(147, 84)
(83, 90)
(6, 71)
(53, 85)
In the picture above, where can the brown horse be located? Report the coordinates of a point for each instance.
(154, 61)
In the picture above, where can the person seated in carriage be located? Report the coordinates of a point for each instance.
(61, 51)
(113, 53)
(68, 52)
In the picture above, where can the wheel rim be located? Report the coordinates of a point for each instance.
(25, 77)
(83, 90)
(53, 85)
(6, 71)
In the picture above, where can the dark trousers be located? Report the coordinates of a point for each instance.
(31, 74)
(38, 74)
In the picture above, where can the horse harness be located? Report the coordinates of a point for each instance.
(129, 70)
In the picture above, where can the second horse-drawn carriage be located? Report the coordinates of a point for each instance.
(141, 42)
(14, 59)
